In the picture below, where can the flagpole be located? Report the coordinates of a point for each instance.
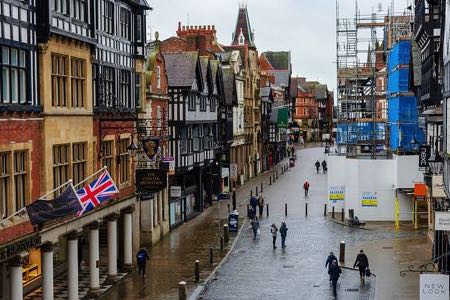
(90, 176)
(52, 191)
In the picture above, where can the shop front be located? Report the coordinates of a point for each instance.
(183, 205)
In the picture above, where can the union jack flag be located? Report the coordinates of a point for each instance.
(98, 191)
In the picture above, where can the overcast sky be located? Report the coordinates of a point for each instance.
(307, 28)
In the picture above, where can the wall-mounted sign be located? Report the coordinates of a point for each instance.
(434, 287)
(233, 171)
(420, 191)
(16, 248)
(175, 191)
(369, 199)
(336, 193)
(151, 147)
(151, 180)
(437, 189)
(442, 220)
(424, 155)
(170, 161)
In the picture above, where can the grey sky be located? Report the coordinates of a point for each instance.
(307, 28)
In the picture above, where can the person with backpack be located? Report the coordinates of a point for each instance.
(283, 233)
(274, 231)
(142, 257)
(362, 262)
(330, 259)
(335, 272)
(317, 164)
(306, 187)
(261, 205)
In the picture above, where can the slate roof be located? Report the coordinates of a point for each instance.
(319, 90)
(229, 85)
(280, 60)
(214, 64)
(181, 68)
(204, 61)
(141, 3)
(294, 87)
(244, 23)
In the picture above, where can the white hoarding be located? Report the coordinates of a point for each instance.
(442, 220)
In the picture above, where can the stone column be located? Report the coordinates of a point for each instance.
(72, 265)
(128, 237)
(112, 247)
(94, 271)
(15, 278)
(5, 281)
(47, 271)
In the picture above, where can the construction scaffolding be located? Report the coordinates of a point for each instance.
(362, 43)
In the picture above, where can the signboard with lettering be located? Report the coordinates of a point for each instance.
(336, 193)
(151, 180)
(434, 287)
(16, 248)
(233, 171)
(442, 220)
(424, 155)
(369, 199)
(175, 191)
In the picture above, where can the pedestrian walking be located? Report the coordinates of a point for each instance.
(261, 205)
(317, 164)
(274, 231)
(255, 227)
(141, 258)
(253, 203)
(306, 187)
(362, 262)
(283, 233)
(329, 261)
(335, 272)
(324, 166)
(251, 213)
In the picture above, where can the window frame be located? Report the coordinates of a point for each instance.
(125, 23)
(14, 67)
(61, 166)
(78, 82)
(108, 156)
(125, 88)
(79, 162)
(21, 175)
(108, 17)
(59, 79)
(5, 183)
(124, 161)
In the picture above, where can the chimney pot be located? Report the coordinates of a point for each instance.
(209, 27)
(214, 27)
(184, 28)
(179, 25)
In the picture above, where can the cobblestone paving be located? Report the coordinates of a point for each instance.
(256, 271)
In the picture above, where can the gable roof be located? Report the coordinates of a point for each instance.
(204, 63)
(243, 23)
(181, 68)
(229, 85)
(279, 60)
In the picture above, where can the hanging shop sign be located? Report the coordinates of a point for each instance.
(151, 147)
(424, 155)
(170, 165)
(336, 193)
(11, 250)
(369, 199)
(442, 220)
(437, 189)
(233, 171)
(434, 287)
(151, 180)
(420, 191)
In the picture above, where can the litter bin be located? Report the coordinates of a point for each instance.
(233, 221)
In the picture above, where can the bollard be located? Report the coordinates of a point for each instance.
(270, 180)
(256, 190)
(251, 193)
(342, 252)
(274, 178)
(282, 169)
(277, 175)
(228, 204)
(226, 233)
(306, 209)
(234, 199)
(325, 210)
(221, 243)
(342, 215)
(182, 290)
(197, 270)
(285, 209)
(332, 213)
(211, 256)
(267, 209)
(262, 188)
(248, 209)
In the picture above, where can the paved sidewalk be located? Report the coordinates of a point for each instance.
(172, 260)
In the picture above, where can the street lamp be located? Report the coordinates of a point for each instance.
(132, 148)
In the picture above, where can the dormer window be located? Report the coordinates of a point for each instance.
(241, 38)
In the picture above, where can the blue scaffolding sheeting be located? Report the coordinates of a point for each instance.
(406, 137)
(361, 132)
(398, 81)
(400, 54)
(402, 109)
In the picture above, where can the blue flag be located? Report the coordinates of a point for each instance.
(65, 204)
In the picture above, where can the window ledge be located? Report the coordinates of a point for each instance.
(20, 108)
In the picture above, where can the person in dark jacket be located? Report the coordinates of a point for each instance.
(253, 203)
(283, 233)
(362, 262)
(335, 272)
(324, 166)
(141, 258)
(261, 205)
(255, 227)
(274, 231)
(329, 261)
(317, 164)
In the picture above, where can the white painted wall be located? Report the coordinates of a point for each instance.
(379, 176)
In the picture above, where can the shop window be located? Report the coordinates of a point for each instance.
(61, 166)
(78, 78)
(124, 160)
(78, 162)
(59, 80)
